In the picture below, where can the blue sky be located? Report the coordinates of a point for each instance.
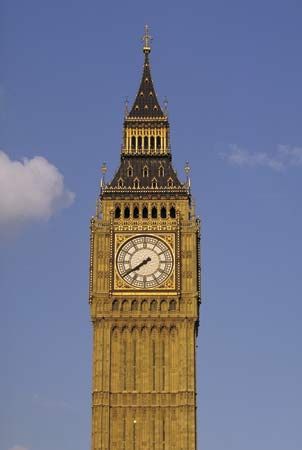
(232, 74)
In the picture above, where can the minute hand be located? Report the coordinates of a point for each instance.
(145, 261)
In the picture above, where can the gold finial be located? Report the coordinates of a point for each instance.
(147, 38)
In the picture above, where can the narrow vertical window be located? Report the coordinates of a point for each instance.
(145, 212)
(153, 365)
(124, 433)
(158, 142)
(127, 212)
(152, 142)
(136, 212)
(154, 212)
(163, 366)
(161, 171)
(124, 364)
(164, 433)
(172, 212)
(134, 434)
(146, 142)
(117, 213)
(163, 213)
(153, 433)
(133, 143)
(130, 171)
(134, 365)
(139, 142)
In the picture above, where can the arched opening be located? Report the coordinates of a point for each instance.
(163, 212)
(139, 142)
(127, 212)
(145, 171)
(133, 143)
(135, 212)
(117, 213)
(125, 305)
(161, 171)
(172, 212)
(172, 306)
(153, 306)
(170, 182)
(154, 183)
(130, 171)
(136, 183)
(134, 305)
(115, 305)
(145, 212)
(158, 142)
(120, 183)
(152, 142)
(154, 212)
(146, 142)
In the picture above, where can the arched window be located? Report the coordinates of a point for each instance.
(172, 212)
(153, 306)
(127, 212)
(133, 143)
(172, 306)
(134, 305)
(158, 142)
(170, 182)
(136, 212)
(152, 142)
(163, 212)
(115, 305)
(154, 212)
(136, 183)
(145, 212)
(161, 171)
(146, 142)
(120, 183)
(130, 171)
(154, 183)
(139, 142)
(145, 171)
(117, 213)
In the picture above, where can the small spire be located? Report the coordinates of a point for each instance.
(103, 170)
(147, 38)
(187, 172)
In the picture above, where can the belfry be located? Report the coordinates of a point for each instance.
(144, 291)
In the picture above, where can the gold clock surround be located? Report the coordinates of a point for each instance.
(168, 284)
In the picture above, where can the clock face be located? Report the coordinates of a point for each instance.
(144, 261)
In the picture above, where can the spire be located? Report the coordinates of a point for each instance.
(146, 103)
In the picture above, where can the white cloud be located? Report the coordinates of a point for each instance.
(283, 157)
(30, 190)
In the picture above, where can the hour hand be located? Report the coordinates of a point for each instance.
(145, 261)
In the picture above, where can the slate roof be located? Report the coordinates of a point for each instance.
(146, 103)
(146, 170)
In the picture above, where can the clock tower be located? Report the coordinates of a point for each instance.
(144, 291)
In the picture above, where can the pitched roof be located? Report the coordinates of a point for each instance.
(146, 103)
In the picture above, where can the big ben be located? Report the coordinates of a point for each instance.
(144, 291)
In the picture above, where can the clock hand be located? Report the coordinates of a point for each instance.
(145, 261)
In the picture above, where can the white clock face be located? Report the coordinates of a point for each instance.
(144, 262)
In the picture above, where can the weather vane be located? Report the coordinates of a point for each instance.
(147, 39)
